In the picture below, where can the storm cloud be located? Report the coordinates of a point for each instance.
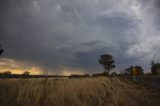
(74, 33)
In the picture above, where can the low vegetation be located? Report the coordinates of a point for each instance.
(98, 91)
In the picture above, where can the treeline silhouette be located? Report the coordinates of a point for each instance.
(79, 76)
(8, 74)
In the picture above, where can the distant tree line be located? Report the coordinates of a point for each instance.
(8, 74)
(79, 76)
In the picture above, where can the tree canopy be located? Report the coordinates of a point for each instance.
(155, 68)
(106, 60)
(134, 70)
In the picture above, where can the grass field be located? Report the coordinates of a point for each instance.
(75, 92)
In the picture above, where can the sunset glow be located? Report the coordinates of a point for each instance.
(17, 67)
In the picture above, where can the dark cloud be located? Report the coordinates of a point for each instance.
(89, 59)
(157, 19)
(56, 33)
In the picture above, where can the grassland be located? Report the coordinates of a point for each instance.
(75, 92)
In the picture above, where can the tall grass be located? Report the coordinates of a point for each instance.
(74, 92)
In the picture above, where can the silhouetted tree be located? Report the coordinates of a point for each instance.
(26, 74)
(1, 50)
(106, 60)
(6, 74)
(155, 68)
(140, 70)
(129, 70)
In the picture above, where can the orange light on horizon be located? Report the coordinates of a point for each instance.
(67, 71)
(33, 70)
(19, 67)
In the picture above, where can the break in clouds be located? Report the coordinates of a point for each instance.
(54, 34)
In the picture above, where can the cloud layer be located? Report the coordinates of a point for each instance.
(74, 33)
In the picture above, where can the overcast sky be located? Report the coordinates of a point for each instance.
(62, 36)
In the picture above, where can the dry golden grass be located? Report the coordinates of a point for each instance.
(74, 92)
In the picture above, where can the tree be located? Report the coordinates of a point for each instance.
(106, 60)
(135, 70)
(129, 70)
(26, 74)
(1, 50)
(140, 70)
(6, 74)
(155, 68)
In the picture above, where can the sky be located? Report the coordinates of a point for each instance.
(68, 36)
